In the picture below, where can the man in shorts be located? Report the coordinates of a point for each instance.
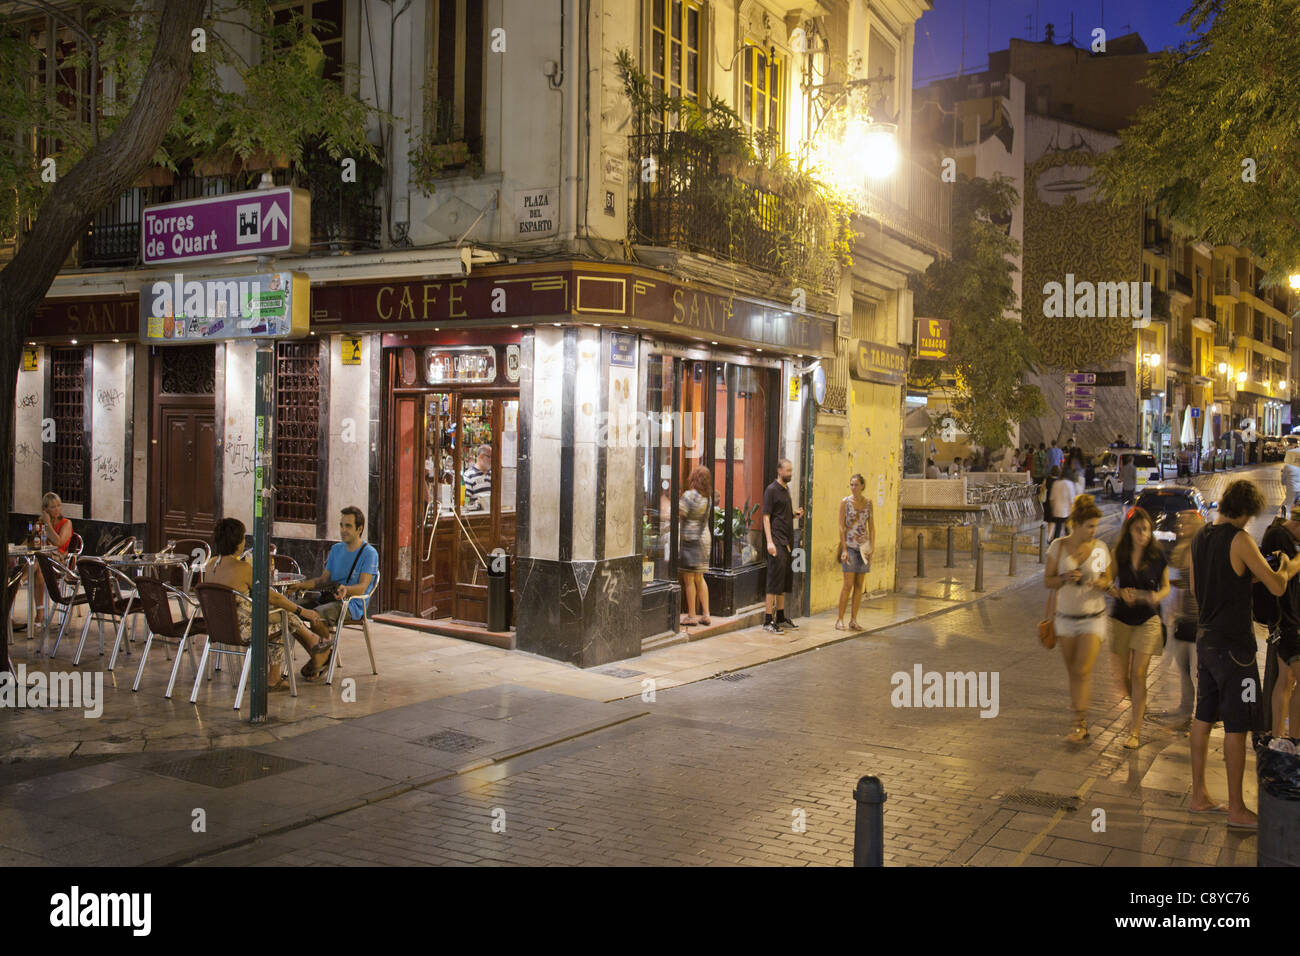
(778, 528)
(1282, 674)
(1224, 558)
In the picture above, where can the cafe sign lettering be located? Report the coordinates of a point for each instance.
(882, 364)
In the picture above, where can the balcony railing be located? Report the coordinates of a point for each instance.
(113, 237)
(1279, 342)
(1180, 354)
(914, 203)
(1227, 287)
(1183, 284)
(689, 204)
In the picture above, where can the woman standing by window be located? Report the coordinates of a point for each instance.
(1141, 583)
(1079, 571)
(696, 510)
(857, 541)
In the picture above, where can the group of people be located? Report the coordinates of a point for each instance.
(1040, 461)
(960, 466)
(1211, 623)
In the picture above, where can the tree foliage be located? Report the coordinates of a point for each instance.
(1219, 145)
(989, 352)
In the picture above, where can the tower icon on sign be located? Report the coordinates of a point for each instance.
(248, 221)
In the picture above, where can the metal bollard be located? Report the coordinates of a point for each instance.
(1042, 542)
(869, 824)
(950, 562)
(979, 569)
(974, 541)
(1012, 570)
(920, 555)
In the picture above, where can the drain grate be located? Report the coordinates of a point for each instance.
(620, 672)
(1041, 800)
(452, 742)
(732, 677)
(226, 768)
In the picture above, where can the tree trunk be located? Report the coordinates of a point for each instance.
(111, 166)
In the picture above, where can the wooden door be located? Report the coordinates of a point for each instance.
(183, 465)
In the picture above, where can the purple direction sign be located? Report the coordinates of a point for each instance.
(253, 223)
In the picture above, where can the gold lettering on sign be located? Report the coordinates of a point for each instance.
(430, 293)
(407, 305)
(453, 300)
(379, 303)
(678, 311)
(74, 318)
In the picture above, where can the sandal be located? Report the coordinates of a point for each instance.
(1133, 742)
(1079, 734)
(854, 626)
(689, 623)
(705, 621)
(839, 626)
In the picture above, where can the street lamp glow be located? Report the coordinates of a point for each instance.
(1295, 281)
(1241, 378)
(880, 150)
(1223, 368)
(1153, 359)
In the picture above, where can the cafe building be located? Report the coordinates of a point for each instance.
(539, 420)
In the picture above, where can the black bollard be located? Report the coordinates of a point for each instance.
(920, 555)
(1012, 570)
(869, 824)
(951, 562)
(1042, 542)
(979, 569)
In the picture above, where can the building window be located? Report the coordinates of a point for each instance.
(454, 94)
(326, 18)
(67, 400)
(297, 438)
(882, 60)
(761, 95)
(675, 42)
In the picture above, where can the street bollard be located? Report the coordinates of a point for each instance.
(979, 569)
(869, 824)
(951, 562)
(1042, 542)
(1012, 570)
(920, 555)
(974, 541)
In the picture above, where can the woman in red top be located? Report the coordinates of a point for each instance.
(58, 532)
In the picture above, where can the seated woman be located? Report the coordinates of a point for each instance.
(57, 531)
(226, 567)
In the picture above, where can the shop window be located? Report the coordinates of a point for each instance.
(297, 436)
(67, 401)
(761, 91)
(454, 95)
(675, 43)
(753, 467)
(326, 19)
(656, 520)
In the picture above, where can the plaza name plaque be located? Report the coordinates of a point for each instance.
(271, 305)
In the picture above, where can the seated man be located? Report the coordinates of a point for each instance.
(477, 480)
(351, 567)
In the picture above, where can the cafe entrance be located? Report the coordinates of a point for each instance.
(452, 431)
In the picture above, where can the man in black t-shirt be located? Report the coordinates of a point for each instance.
(778, 529)
(1282, 672)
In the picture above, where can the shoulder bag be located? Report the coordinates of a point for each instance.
(1047, 626)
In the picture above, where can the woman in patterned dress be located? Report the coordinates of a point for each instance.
(857, 541)
(695, 510)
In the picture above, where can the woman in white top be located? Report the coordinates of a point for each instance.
(1079, 571)
(1060, 501)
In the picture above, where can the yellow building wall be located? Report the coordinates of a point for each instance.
(872, 446)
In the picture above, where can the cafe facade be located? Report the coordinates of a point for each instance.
(540, 420)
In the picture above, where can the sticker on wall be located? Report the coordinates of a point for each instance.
(794, 388)
(31, 359)
(350, 346)
(512, 363)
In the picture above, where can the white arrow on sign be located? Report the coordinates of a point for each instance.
(274, 219)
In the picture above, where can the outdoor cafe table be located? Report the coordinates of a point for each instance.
(20, 552)
(124, 562)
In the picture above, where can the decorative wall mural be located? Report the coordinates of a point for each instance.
(1068, 231)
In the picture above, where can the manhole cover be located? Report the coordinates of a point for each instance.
(733, 677)
(1041, 800)
(226, 768)
(620, 672)
(452, 742)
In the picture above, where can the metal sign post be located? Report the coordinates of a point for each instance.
(264, 413)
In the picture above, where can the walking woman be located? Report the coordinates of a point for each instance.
(1079, 571)
(1060, 498)
(857, 542)
(695, 509)
(1141, 583)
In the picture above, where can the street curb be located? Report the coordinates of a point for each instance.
(397, 789)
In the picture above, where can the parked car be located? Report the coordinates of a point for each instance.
(1164, 503)
(1106, 473)
(1272, 449)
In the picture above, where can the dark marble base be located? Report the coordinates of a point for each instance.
(660, 609)
(586, 613)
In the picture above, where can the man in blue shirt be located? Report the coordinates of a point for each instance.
(1054, 456)
(353, 564)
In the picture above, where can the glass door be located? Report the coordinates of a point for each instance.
(436, 454)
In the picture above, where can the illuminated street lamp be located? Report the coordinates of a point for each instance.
(1241, 378)
(1223, 368)
(1295, 281)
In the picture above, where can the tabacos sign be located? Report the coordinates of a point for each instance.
(180, 311)
(931, 338)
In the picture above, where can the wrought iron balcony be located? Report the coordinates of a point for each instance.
(1180, 354)
(914, 203)
(113, 237)
(1183, 284)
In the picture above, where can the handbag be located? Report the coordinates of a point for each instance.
(1047, 626)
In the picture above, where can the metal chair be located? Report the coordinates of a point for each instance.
(104, 587)
(122, 547)
(345, 621)
(220, 606)
(155, 600)
(11, 592)
(282, 563)
(58, 577)
(75, 547)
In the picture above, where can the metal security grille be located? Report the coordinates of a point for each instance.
(297, 442)
(67, 398)
(1041, 800)
(452, 741)
(226, 768)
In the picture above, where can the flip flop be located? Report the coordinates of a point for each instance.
(839, 626)
(1217, 808)
(1242, 826)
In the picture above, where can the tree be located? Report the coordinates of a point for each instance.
(989, 353)
(1219, 145)
(178, 108)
